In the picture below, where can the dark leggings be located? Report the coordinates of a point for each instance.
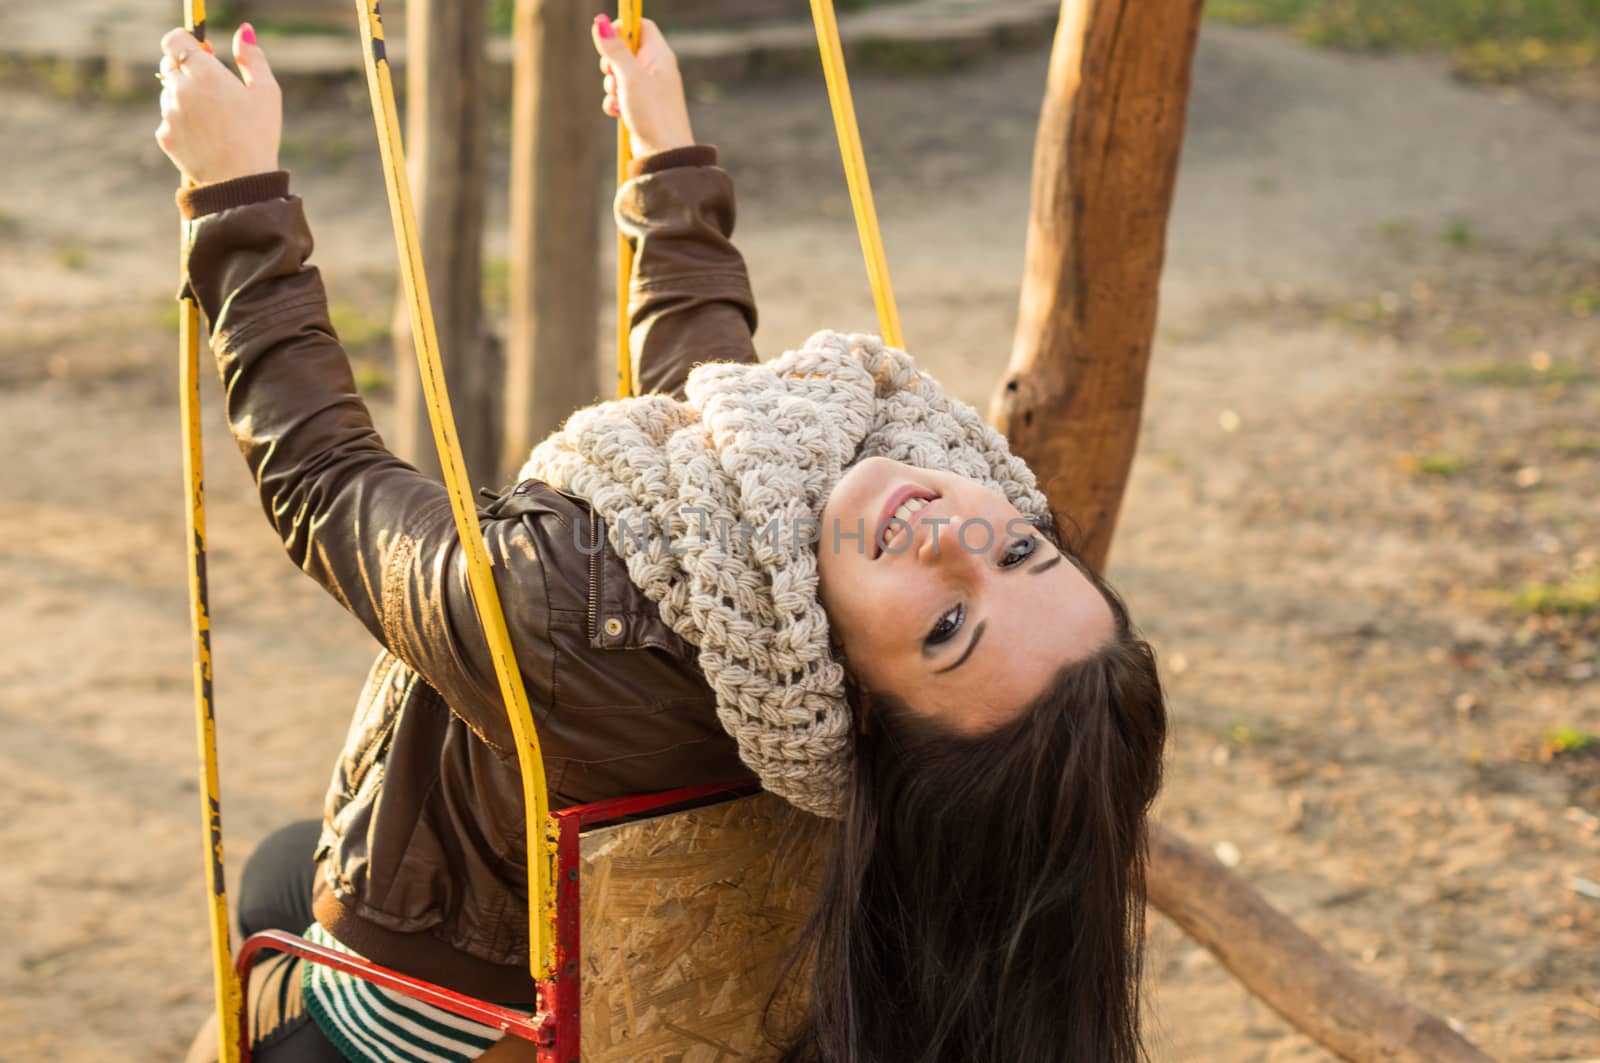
(275, 894)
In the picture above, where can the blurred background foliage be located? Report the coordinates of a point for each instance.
(1494, 41)
(1488, 40)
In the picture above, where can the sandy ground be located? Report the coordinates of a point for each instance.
(1372, 417)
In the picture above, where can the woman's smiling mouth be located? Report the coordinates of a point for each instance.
(896, 516)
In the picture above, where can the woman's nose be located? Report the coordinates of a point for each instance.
(937, 543)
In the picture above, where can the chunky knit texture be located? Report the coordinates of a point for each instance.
(715, 504)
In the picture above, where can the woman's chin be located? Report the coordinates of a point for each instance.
(850, 497)
(857, 494)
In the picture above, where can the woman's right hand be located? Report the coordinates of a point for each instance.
(643, 87)
(216, 125)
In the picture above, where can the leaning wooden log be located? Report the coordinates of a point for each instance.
(1105, 162)
(1340, 1008)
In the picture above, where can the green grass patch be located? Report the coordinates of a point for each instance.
(1578, 443)
(169, 313)
(224, 15)
(1377, 310)
(1394, 228)
(1489, 40)
(1442, 464)
(1572, 598)
(502, 15)
(1568, 739)
(1584, 301)
(72, 256)
(373, 379)
(356, 327)
(66, 78)
(1515, 374)
(1458, 233)
(1508, 61)
(916, 58)
(497, 286)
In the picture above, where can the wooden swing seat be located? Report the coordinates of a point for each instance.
(675, 919)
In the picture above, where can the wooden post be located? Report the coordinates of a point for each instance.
(447, 155)
(1105, 162)
(557, 141)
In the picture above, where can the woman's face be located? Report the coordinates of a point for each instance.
(956, 606)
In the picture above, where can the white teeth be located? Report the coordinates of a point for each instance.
(903, 515)
(905, 511)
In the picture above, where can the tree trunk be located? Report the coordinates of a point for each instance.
(1105, 162)
(558, 135)
(447, 153)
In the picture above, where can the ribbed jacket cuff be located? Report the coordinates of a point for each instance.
(238, 192)
(693, 155)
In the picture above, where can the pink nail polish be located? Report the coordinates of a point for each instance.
(247, 33)
(607, 30)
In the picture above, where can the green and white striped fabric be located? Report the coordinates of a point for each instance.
(371, 1024)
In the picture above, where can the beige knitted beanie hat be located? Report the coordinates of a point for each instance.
(757, 448)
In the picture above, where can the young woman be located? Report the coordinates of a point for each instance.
(820, 570)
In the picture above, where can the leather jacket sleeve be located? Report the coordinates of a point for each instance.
(378, 535)
(689, 300)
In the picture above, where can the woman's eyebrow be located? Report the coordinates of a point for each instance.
(977, 633)
(1052, 563)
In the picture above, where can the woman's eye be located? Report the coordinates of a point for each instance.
(1019, 551)
(946, 626)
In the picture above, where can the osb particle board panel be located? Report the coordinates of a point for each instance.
(686, 918)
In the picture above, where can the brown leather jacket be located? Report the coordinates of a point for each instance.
(422, 865)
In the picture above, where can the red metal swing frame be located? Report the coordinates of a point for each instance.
(555, 1026)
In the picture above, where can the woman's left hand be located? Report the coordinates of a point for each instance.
(216, 126)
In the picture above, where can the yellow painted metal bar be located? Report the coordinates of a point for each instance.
(541, 837)
(225, 982)
(855, 170)
(629, 12)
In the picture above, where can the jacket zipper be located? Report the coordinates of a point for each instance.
(594, 571)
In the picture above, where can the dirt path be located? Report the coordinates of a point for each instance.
(1372, 415)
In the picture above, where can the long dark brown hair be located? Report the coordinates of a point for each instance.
(983, 899)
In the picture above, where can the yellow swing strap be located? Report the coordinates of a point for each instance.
(225, 982)
(629, 12)
(541, 839)
(855, 170)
